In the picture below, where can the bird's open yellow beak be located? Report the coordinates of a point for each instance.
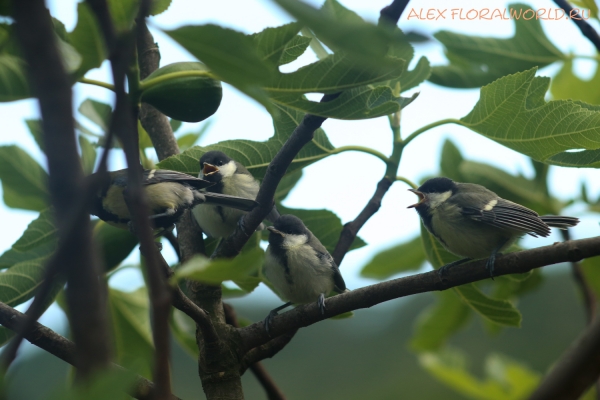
(422, 198)
(209, 169)
(272, 229)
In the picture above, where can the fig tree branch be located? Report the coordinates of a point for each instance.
(513, 263)
(61, 347)
(586, 29)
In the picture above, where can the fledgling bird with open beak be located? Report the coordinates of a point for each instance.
(229, 178)
(299, 266)
(474, 222)
(169, 194)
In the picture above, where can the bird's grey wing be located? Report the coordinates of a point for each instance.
(226, 200)
(326, 258)
(154, 176)
(503, 214)
(240, 169)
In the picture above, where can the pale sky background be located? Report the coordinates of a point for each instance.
(336, 183)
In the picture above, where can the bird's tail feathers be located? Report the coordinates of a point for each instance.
(225, 200)
(559, 221)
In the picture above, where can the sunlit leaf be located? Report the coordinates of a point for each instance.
(512, 111)
(566, 85)
(87, 39)
(97, 112)
(13, 79)
(205, 270)
(160, 6)
(123, 13)
(88, 155)
(35, 128)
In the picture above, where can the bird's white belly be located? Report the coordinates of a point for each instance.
(307, 279)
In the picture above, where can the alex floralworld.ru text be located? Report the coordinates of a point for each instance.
(551, 14)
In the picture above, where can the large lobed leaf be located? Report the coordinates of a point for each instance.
(406, 256)
(512, 111)
(476, 61)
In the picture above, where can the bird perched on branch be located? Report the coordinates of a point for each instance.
(169, 194)
(299, 266)
(474, 222)
(229, 178)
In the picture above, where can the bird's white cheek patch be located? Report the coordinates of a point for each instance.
(294, 241)
(490, 205)
(435, 199)
(228, 169)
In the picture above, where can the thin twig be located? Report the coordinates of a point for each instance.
(586, 29)
(351, 229)
(519, 262)
(61, 347)
(124, 124)
(261, 374)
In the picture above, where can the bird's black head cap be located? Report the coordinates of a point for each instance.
(214, 157)
(290, 224)
(438, 185)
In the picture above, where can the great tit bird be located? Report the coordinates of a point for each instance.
(474, 222)
(299, 266)
(229, 178)
(169, 194)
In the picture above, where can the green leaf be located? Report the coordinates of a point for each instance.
(476, 61)
(286, 185)
(131, 328)
(591, 270)
(342, 30)
(324, 224)
(256, 156)
(160, 6)
(438, 322)
(508, 287)
(512, 111)
(505, 379)
(70, 57)
(588, 4)
(578, 159)
(407, 256)
(97, 112)
(294, 49)
(501, 312)
(88, 155)
(359, 103)
(175, 124)
(19, 282)
(13, 79)
(229, 54)
(209, 271)
(420, 73)
(271, 43)
(450, 161)
(5, 335)
(333, 74)
(39, 231)
(23, 180)
(35, 128)
(113, 243)
(184, 331)
(123, 13)
(87, 39)
(567, 85)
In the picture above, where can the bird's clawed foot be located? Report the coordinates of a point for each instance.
(443, 270)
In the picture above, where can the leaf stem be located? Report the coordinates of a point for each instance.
(361, 149)
(431, 126)
(147, 84)
(97, 83)
(315, 44)
(407, 181)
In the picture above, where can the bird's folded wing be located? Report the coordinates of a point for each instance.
(225, 200)
(154, 176)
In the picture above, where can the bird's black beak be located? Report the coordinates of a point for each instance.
(422, 198)
(272, 229)
(209, 169)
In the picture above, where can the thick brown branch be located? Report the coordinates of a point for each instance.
(61, 347)
(267, 350)
(86, 297)
(520, 262)
(576, 370)
(586, 29)
(259, 371)
(351, 229)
